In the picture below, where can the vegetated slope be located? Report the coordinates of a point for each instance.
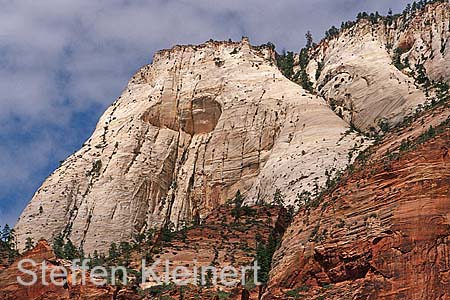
(192, 128)
(383, 232)
(4, 256)
(230, 236)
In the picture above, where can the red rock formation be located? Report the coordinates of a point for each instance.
(10, 289)
(384, 233)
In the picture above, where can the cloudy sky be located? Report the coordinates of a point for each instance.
(63, 62)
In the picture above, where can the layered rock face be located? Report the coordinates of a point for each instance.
(223, 239)
(383, 233)
(192, 128)
(202, 122)
(356, 75)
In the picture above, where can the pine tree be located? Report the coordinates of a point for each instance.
(238, 199)
(305, 82)
(302, 77)
(95, 256)
(285, 63)
(309, 39)
(58, 246)
(81, 253)
(113, 252)
(396, 60)
(264, 255)
(332, 32)
(303, 198)
(8, 243)
(29, 244)
(6, 233)
(359, 16)
(239, 209)
(263, 261)
(442, 91)
(208, 279)
(167, 232)
(407, 10)
(125, 252)
(97, 260)
(12, 240)
(70, 251)
(421, 4)
(278, 198)
(422, 77)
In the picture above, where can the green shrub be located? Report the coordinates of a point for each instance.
(285, 63)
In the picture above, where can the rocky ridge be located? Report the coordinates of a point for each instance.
(357, 72)
(192, 128)
(225, 238)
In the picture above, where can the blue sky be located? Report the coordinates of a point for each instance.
(63, 62)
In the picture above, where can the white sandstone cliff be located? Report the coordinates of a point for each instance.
(192, 128)
(358, 77)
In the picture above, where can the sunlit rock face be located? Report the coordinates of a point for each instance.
(188, 132)
(356, 74)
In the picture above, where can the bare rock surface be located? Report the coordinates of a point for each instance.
(192, 128)
(425, 39)
(356, 73)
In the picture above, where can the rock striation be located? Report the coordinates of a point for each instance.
(424, 39)
(191, 129)
(383, 233)
(225, 238)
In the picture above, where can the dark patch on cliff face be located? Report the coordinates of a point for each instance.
(339, 267)
(193, 117)
(201, 117)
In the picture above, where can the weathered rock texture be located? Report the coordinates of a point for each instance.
(384, 233)
(192, 128)
(357, 74)
(10, 289)
(223, 239)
